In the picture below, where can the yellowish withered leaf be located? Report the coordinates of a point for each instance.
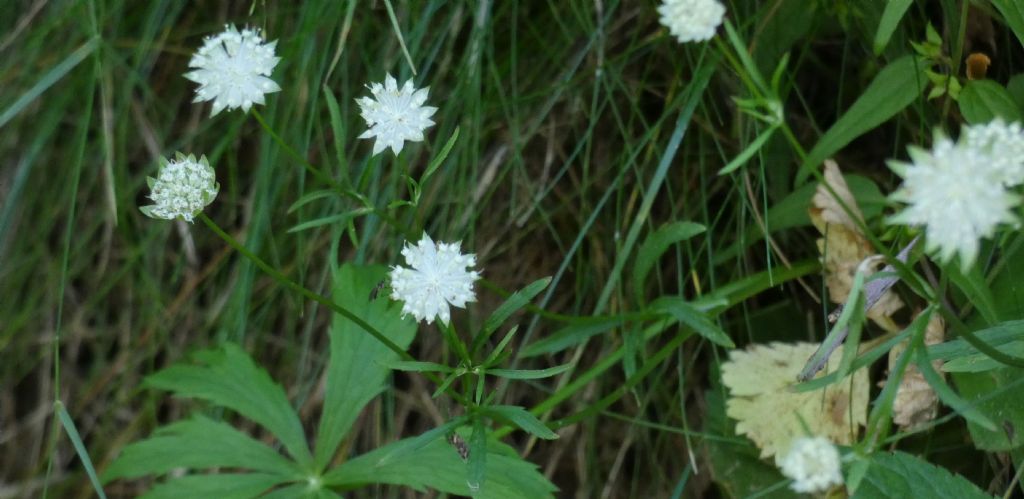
(844, 246)
(771, 415)
(916, 402)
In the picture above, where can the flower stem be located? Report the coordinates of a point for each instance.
(298, 288)
(325, 178)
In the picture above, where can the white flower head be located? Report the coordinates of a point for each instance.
(957, 197)
(1003, 143)
(233, 69)
(691, 20)
(394, 114)
(439, 276)
(182, 189)
(813, 464)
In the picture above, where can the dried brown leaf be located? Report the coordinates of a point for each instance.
(844, 246)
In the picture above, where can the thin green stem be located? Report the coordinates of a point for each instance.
(310, 167)
(327, 179)
(398, 33)
(298, 288)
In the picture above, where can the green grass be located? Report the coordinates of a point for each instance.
(583, 127)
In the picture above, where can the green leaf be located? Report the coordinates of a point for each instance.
(476, 468)
(357, 369)
(340, 219)
(496, 354)
(751, 149)
(529, 373)
(518, 300)
(996, 336)
(974, 285)
(655, 245)
(52, 76)
(982, 101)
(894, 11)
(1013, 13)
(219, 485)
(996, 393)
(417, 366)
(310, 197)
(979, 362)
(1016, 89)
(435, 163)
(686, 313)
(437, 465)
(228, 377)
(522, 418)
(898, 475)
(567, 337)
(894, 88)
(337, 132)
(947, 395)
(76, 442)
(198, 443)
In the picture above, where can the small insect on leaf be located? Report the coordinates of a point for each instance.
(376, 289)
(460, 445)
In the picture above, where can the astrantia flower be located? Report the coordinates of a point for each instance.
(1003, 143)
(395, 115)
(956, 195)
(233, 69)
(182, 189)
(692, 20)
(813, 464)
(439, 277)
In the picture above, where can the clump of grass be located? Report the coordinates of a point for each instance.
(577, 140)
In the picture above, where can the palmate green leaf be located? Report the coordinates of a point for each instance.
(894, 88)
(437, 466)
(300, 490)
(219, 485)
(357, 369)
(899, 475)
(655, 245)
(982, 101)
(228, 377)
(199, 443)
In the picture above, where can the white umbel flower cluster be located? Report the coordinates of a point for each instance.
(233, 69)
(813, 464)
(958, 191)
(438, 277)
(692, 20)
(1003, 143)
(395, 115)
(182, 189)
